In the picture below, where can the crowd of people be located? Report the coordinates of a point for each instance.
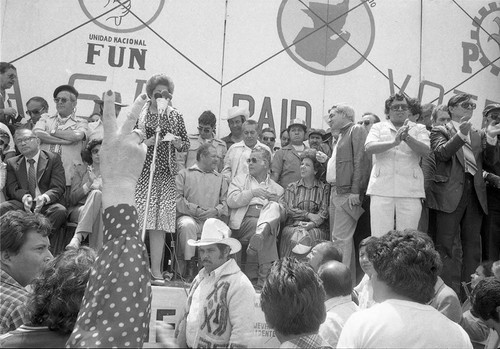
(250, 216)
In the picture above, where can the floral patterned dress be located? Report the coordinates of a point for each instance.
(161, 215)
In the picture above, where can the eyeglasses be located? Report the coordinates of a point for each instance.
(254, 160)
(204, 129)
(60, 99)
(95, 151)
(35, 111)
(468, 105)
(24, 139)
(269, 139)
(402, 107)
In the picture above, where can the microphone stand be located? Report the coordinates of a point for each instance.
(152, 170)
(151, 174)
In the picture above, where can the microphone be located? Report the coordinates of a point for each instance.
(162, 100)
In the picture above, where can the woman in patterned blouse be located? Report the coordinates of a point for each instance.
(173, 137)
(306, 204)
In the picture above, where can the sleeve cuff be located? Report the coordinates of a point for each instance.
(491, 140)
(47, 199)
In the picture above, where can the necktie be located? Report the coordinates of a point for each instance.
(32, 177)
(470, 162)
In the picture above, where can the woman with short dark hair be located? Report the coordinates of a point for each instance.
(306, 203)
(172, 138)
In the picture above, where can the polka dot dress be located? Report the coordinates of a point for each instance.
(162, 206)
(116, 306)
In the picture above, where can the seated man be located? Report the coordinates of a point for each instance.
(255, 212)
(486, 305)
(55, 302)
(292, 300)
(24, 245)
(220, 305)
(339, 306)
(406, 269)
(35, 181)
(201, 194)
(206, 129)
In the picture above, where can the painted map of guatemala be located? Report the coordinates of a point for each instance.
(323, 45)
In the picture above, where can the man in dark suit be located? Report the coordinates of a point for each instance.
(459, 190)
(35, 181)
(491, 174)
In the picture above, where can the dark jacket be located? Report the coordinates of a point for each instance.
(353, 165)
(449, 176)
(50, 177)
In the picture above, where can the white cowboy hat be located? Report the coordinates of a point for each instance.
(236, 111)
(216, 232)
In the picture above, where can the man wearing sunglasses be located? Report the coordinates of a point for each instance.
(255, 215)
(35, 107)
(63, 133)
(396, 185)
(459, 190)
(268, 137)
(206, 134)
(491, 174)
(368, 119)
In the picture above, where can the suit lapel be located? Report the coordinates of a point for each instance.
(42, 165)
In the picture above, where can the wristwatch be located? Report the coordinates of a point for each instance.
(53, 132)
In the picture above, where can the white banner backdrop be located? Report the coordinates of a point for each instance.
(284, 59)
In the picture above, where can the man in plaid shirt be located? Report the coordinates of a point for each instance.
(24, 247)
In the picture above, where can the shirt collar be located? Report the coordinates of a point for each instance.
(36, 157)
(64, 120)
(346, 127)
(9, 280)
(266, 181)
(316, 183)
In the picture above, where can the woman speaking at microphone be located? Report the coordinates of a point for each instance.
(172, 137)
